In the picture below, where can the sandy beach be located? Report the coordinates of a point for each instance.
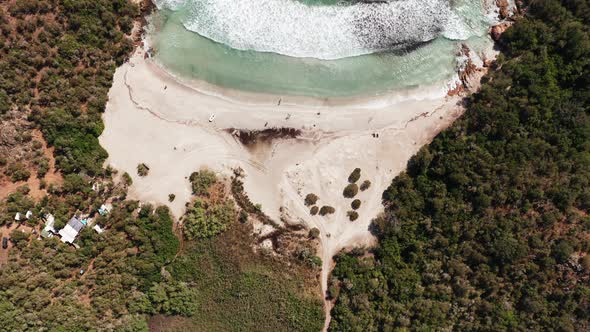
(152, 118)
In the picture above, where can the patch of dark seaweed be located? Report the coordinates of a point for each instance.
(252, 138)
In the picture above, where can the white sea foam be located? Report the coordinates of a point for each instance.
(292, 28)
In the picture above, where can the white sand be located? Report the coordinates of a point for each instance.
(168, 129)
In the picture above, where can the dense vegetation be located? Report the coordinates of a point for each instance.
(57, 59)
(238, 290)
(489, 228)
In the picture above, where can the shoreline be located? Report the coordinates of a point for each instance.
(361, 101)
(379, 97)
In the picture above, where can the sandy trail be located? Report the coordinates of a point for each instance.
(151, 118)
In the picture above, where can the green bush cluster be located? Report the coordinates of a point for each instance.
(201, 181)
(204, 220)
(17, 172)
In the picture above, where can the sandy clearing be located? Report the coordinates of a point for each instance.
(151, 118)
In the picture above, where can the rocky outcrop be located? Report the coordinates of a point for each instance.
(497, 30)
(469, 74)
(504, 11)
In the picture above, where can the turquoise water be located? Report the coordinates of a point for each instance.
(188, 54)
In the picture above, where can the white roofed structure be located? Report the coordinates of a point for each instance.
(98, 229)
(70, 231)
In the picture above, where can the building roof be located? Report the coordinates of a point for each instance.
(76, 224)
(71, 230)
(68, 234)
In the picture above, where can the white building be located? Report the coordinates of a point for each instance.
(98, 229)
(48, 230)
(70, 231)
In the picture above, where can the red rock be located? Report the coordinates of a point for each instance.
(498, 30)
(503, 8)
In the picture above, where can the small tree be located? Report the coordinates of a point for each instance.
(142, 169)
(311, 199)
(326, 209)
(351, 190)
(352, 215)
(355, 204)
(171, 197)
(355, 175)
(127, 180)
(365, 185)
(314, 210)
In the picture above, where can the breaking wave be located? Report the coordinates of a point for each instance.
(292, 28)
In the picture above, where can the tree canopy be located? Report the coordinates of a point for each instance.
(488, 227)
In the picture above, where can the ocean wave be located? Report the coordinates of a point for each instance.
(292, 28)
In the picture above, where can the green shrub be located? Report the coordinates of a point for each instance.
(311, 199)
(350, 190)
(142, 169)
(314, 233)
(201, 181)
(352, 215)
(174, 298)
(356, 204)
(355, 175)
(127, 180)
(326, 209)
(18, 172)
(42, 167)
(365, 185)
(314, 210)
